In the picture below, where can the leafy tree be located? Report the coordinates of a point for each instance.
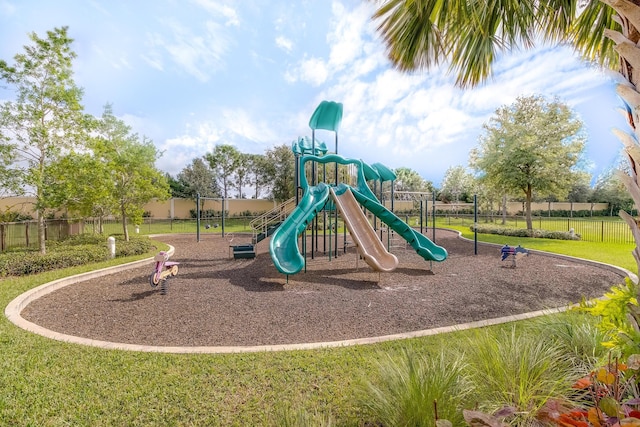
(530, 146)
(198, 178)
(80, 183)
(224, 160)
(280, 162)
(425, 33)
(457, 184)
(177, 187)
(243, 174)
(45, 120)
(581, 189)
(258, 176)
(610, 189)
(409, 180)
(131, 163)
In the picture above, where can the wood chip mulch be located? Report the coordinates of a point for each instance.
(217, 301)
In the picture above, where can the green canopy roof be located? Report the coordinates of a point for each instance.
(385, 173)
(304, 145)
(369, 172)
(328, 116)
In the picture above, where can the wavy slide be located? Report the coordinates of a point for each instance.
(283, 246)
(370, 247)
(422, 245)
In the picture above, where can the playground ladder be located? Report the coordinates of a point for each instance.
(263, 225)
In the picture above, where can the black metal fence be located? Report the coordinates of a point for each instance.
(25, 234)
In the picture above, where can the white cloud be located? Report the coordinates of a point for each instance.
(311, 70)
(240, 122)
(199, 53)
(284, 43)
(215, 8)
(346, 35)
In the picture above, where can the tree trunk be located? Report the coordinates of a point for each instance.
(527, 207)
(41, 232)
(504, 209)
(124, 222)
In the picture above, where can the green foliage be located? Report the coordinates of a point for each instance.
(614, 311)
(510, 369)
(198, 178)
(75, 251)
(286, 416)
(406, 389)
(523, 232)
(131, 165)
(44, 120)
(224, 160)
(576, 335)
(409, 180)
(531, 146)
(280, 172)
(457, 185)
(12, 216)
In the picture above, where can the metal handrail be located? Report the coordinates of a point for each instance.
(276, 215)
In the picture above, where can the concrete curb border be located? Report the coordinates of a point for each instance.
(15, 307)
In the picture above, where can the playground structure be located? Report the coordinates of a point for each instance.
(326, 199)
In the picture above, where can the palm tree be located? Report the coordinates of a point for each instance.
(467, 34)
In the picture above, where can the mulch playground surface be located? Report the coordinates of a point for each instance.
(216, 300)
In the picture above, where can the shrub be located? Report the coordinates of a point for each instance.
(406, 391)
(523, 232)
(74, 251)
(577, 335)
(520, 371)
(617, 314)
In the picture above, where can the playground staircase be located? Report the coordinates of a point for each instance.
(264, 225)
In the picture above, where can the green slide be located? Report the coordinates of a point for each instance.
(423, 246)
(283, 246)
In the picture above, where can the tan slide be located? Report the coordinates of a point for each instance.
(370, 247)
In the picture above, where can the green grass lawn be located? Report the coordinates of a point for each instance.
(50, 383)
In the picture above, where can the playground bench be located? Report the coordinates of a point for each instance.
(242, 251)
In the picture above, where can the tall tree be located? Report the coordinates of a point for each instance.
(243, 174)
(280, 162)
(610, 189)
(420, 34)
(457, 184)
(131, 162)
(45, 119)
(223, 160)
(198, 178)
(580, 191)
(531, 146)
(81, 183)
(258, 176)
(409, 180)
(177, 187)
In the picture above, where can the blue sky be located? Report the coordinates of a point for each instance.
(191, 74)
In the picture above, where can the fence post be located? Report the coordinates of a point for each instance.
(2, 241)
(602, 230)
(26, 232)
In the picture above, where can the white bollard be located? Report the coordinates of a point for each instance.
(137, 229)
(111, 243)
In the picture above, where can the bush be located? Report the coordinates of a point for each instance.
(405, 390)
(74, 251)
(523, 232)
